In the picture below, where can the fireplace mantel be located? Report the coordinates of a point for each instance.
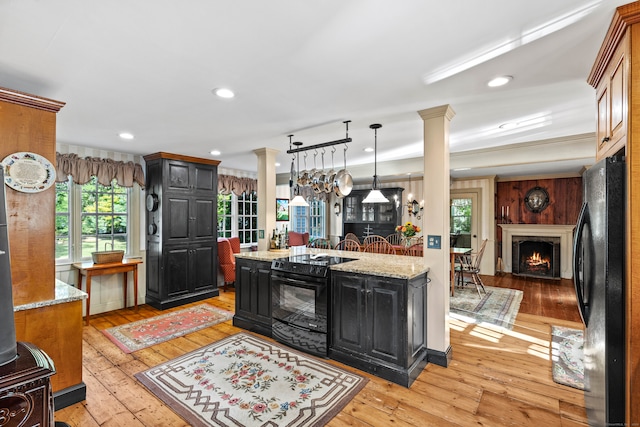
(565, 232)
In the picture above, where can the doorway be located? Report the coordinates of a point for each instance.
(465, 218)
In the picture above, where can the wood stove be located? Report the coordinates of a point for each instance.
(536, 256)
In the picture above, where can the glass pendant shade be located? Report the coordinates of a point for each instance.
(298, 201)
(375, 196)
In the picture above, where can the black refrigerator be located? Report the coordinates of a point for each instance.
(599, 278)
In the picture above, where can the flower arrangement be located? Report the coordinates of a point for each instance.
(408, 229)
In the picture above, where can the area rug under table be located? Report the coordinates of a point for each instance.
(243, 380)
(499, 306)
(567, 356)
(145, 333)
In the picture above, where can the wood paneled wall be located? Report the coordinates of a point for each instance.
(565, 200)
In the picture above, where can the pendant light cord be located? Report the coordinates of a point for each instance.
(375, 128)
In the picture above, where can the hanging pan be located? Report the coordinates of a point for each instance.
(343, 183)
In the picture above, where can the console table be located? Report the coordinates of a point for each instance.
(89, 269)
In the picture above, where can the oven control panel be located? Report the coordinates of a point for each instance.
(299, 268)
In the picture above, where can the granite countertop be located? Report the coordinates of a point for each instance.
(398, 266)
(64, 293)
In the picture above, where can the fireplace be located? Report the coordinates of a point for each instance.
(536, 256)
(562, 231)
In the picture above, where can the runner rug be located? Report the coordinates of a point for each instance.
(243, 380)
(145, 333)
(567, 356)
(499, 306)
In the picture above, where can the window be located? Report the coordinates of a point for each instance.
(311, 219)
(248, 218)
(238, 215)
(98, 221)
(225, 216)
(104, 217)
(461, 215)
(316, 219)
(63, 221)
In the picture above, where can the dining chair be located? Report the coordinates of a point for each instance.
(373, 238)
(414, 250)
(352, 236)
(394, 238)
(348, 245)
(320, 243)
(470, 265)
(380, 247)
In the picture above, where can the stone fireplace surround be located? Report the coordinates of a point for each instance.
(564, 232)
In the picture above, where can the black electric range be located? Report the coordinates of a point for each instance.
(316, 265)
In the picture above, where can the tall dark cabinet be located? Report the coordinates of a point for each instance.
(181, 204)
(371, 218)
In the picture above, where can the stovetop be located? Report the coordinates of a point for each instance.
(308, 264)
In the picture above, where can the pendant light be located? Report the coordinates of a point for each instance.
(375, 196)
(298, 200)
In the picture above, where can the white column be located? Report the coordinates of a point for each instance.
(266, 195)
(435, 192)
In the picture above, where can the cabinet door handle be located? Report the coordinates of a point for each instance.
(605, 139)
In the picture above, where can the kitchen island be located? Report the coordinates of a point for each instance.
(376, 308)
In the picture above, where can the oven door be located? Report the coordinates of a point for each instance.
(299, 300)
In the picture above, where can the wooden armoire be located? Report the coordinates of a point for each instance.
(182, 238)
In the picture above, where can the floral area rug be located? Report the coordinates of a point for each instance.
(567, 356)
(499, 306)
(145, 333)
(243, 380)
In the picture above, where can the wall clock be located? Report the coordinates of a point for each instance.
(537, 199)
(152, 202)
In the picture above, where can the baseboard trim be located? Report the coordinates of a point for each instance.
(70, 395)
(440, 358)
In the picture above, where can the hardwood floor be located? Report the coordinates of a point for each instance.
(497, 377)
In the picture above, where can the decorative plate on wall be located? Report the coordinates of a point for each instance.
(537, 199)
(28, 172)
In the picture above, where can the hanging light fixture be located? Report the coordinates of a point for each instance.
(375, 196)
(298, 200)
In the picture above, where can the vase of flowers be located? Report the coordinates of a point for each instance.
(408, 230)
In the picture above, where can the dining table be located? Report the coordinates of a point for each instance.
(456, 253)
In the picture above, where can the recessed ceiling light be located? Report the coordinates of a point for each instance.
(223, 92)
(125, 135)
(461, 169)
(277, 164)
(215, 152)
(368, 150)
(499, 81)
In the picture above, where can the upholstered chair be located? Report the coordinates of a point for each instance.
(227, 261)
(298, 239)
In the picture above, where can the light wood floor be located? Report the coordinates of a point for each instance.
(497, 377)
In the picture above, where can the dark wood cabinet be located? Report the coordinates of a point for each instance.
(253, 296)
(365, 219)
(182, 257)
(379, 325)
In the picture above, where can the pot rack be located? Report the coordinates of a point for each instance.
(321, 145)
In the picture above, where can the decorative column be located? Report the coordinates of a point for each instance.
(435, 192)
(266, 195)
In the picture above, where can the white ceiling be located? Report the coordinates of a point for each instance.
(302, 68)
